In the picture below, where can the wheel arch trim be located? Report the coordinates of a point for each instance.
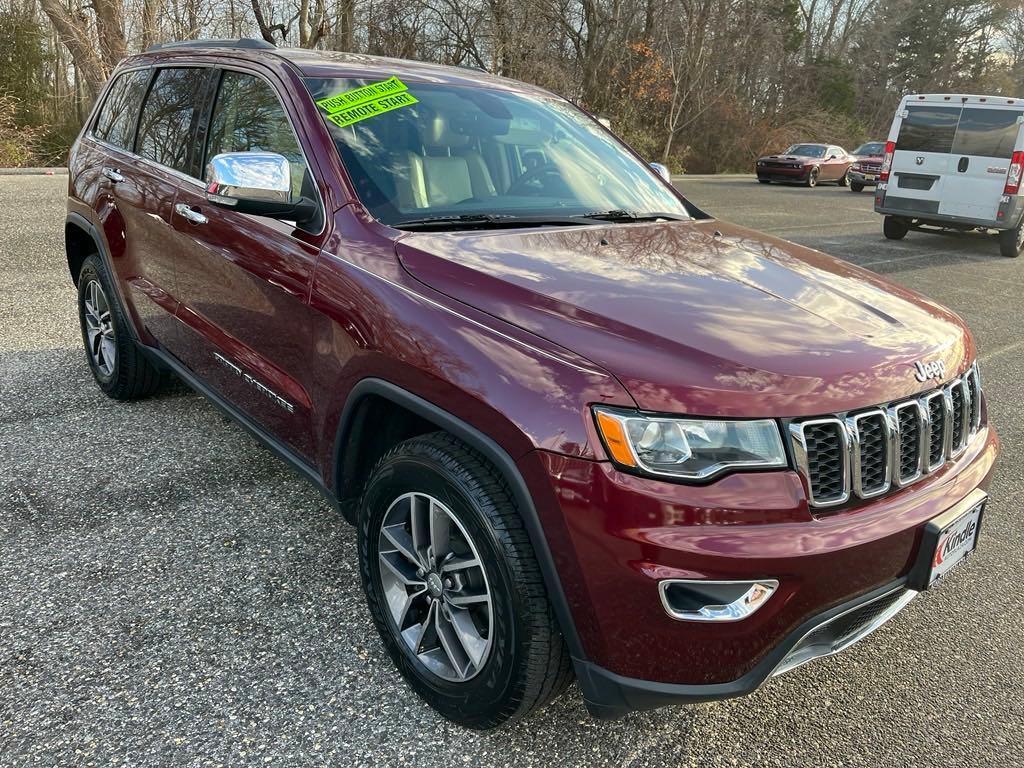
(79, 221)
(497, 456)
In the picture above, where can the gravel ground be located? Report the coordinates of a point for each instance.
(170, 594)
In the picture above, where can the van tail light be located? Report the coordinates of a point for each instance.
(1013, 177)
(890, 147)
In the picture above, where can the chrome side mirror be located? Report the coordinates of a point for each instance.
(259, 183)
(662, 170)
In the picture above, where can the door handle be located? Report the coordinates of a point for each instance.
(195, 217)
(113, 175)
(962, 165)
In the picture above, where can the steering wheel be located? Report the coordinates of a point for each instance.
(543, 173)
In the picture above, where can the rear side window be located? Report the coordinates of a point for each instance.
(987, 132)
(115, 123)
(928, 129)
(165, 127)
(247, 117)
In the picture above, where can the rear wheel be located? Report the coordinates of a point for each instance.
(856, 186)
(844, 179)
(812, 177)
(454, 587)
(894, 228)
(765, 181)
(1011, 241)
(120, 368)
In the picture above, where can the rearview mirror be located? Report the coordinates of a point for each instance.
(662, 170)
(259, 183)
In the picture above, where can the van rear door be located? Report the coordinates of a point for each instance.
(920, 163)
(984, 142)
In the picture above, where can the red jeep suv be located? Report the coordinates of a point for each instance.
(582, 428)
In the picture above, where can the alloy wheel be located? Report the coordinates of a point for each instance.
(99, 329)
(435, 587)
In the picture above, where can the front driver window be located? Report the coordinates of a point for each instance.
(247, 117)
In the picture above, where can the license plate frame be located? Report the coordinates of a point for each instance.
(949, 539)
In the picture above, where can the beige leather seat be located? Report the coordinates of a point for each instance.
(447, 171)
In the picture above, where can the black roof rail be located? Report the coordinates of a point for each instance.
(241, 42)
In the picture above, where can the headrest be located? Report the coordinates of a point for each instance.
(437, 132)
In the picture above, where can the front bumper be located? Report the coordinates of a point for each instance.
(867, 179)
(616, 536)
(782, 174)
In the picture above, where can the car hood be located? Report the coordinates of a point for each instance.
(790, 157)
(701, 317)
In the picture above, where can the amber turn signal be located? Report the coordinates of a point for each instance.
(615, 441)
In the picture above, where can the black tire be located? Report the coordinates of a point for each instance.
(1011, 241)
(895, 229)
(129, 375)
(812, 177)
(844, 180)
(856, 186)
(526, 664)
(765, 181)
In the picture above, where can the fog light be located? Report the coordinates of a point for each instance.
(703, 600)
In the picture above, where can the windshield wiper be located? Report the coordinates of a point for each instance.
(620, 215)
(475, 220)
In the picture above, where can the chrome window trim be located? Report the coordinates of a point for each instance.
(800, 454)
(192, 64)
(922, 442)
(853, 428)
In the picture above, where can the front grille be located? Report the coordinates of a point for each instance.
(937, 436)
(974, 397)
(873, 453)
(827, 475)
(866, 453)
(908, 424)
(957, 424)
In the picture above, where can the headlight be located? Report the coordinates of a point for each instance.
(692, 449)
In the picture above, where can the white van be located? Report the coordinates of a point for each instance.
(954, 161)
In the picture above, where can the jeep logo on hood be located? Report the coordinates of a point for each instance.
(933, 370)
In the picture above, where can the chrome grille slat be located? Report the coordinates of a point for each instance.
(866, 453)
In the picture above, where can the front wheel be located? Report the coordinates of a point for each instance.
(812, 177)
(454, 587)
(895, 229)
(1011, 241)
(120, 368)
(856, 186)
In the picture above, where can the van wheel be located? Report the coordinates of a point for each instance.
(856, 186)
(120, 368)
(812, 177)
(1011, 241)
(454, 587)
(895, 229)
(844, 179)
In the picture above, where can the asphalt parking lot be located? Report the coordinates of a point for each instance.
(170, 594)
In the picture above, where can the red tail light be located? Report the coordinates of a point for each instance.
(890, 147)
(1013, 176)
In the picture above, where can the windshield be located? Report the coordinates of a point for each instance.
(871, 148)
(806, 150)
(474, 152)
